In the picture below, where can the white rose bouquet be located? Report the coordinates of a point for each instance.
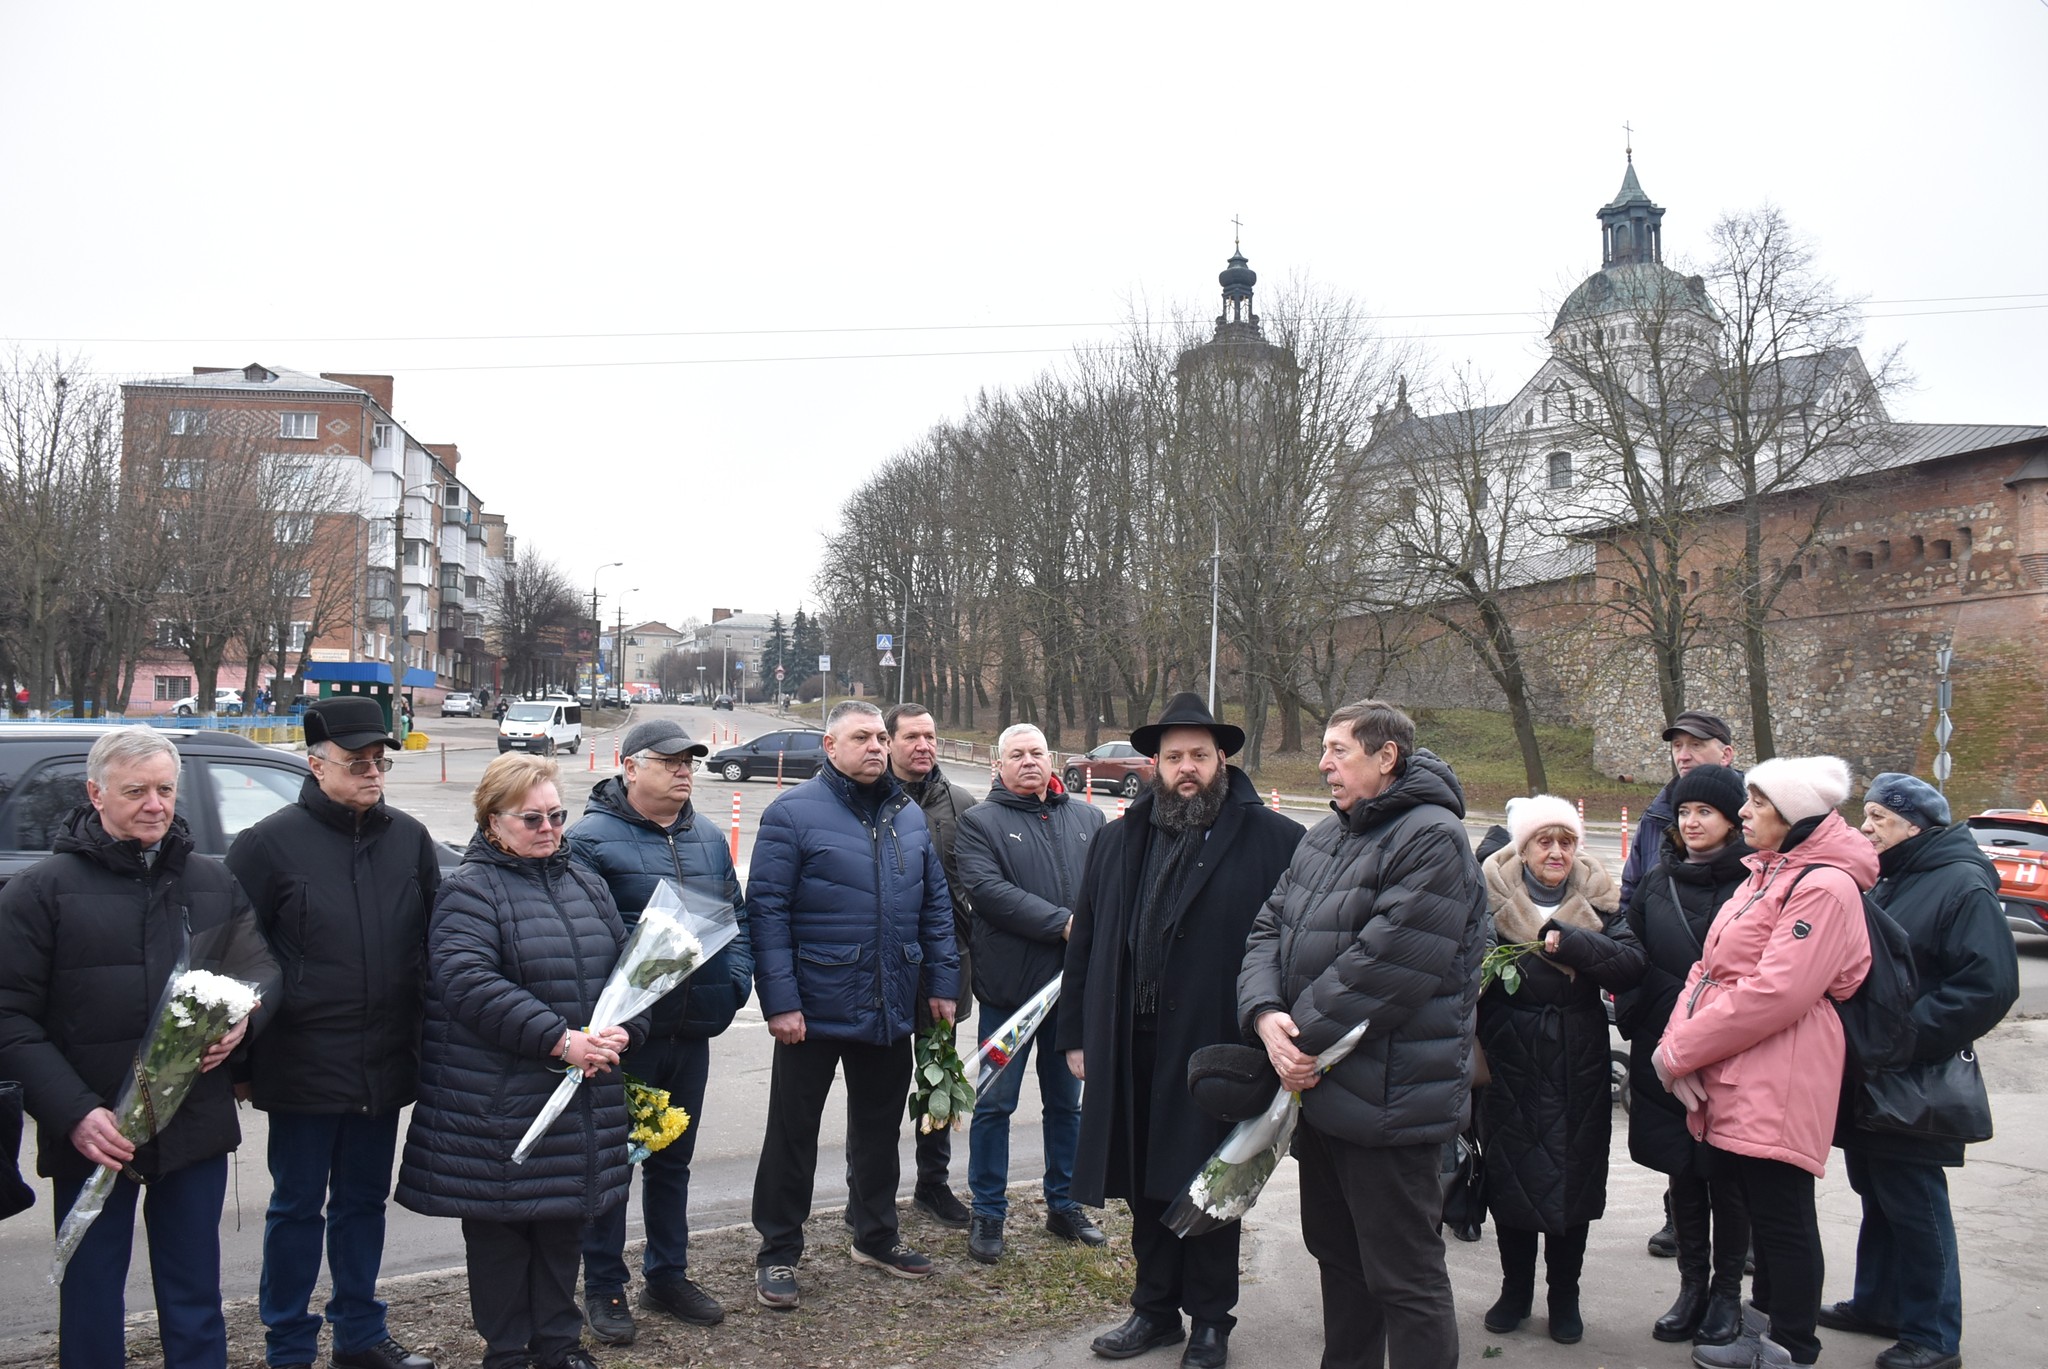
(668, 944)
(198, 1008)
(995, 1054)
(1226, 1187)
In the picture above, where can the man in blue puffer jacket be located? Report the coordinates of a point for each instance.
(852, 924)
(637, 831)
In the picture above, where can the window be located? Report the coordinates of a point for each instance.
(41, 803)
(1963, 536)
(1865, 561)
(181, 475)
(415, 552)
(173, 522)
(452, 496)
(294, 528)
(299, 585)
(1560, 470)
(1693, 581)
(1919, 549)
(380, 435)
(1796, 572)
(377, 584)
(171, 688)
(249, 793)
(169, 638)
(1940, 550)
(187, 422)
(1884, 551)
(295, 638)
(298, 425)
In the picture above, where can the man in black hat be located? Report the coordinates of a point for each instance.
(1165, 905)
(637, 830)
(342, 885)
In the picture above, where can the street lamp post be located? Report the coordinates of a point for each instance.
(725, 663)
(619, 645)
(594, 626)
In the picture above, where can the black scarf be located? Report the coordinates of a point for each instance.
(1170, 856)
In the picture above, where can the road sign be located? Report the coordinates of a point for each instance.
(824, 664)
(888, 658)
(740, 666)
(1941, 765)
(1943, 730)
(884, 641)
(778, 672)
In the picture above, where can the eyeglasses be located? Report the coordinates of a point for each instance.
(535, 821)
(675, 765)
(360, 769)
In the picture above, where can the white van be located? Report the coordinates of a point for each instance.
(544, 726)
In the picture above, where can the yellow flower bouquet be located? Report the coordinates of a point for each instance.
(655, 1120)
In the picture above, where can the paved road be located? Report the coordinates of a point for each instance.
(722, 1178)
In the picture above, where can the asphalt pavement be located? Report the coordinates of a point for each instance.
(1281, 1289)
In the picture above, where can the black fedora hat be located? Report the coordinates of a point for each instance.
(1187, 710)
(1232, 1082)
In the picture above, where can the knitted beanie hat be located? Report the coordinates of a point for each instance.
(1711, 784)
(1801, 786)
(1911, 797)
(1527, 817)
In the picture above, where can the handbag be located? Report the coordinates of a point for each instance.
(1464, 1178)
(15, 1193)
(1934, 1100)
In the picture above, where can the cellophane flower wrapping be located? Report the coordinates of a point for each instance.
(196, 1009)
(654, 1119)
(940, 1096)
(994, 1055)
(679, 929)
(1226, 1187)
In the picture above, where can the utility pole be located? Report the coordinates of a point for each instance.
(1215, 597)
(596, 625)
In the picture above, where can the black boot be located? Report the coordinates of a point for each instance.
(1566, 1326)
(1684, 1317)
(1719, 1324)
(1511, 1310)
(1664, 1242)
(1564, 1256)
(1517, 1278)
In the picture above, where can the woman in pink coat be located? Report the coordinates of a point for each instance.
(1755, 1050)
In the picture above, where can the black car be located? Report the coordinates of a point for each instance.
(799, 754)
(723, 701)
(228, 783)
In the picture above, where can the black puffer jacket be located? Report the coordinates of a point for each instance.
(943, 804)
(343, 900)
(519, 951)
(1021, 860)
(1380, 917)
(1546, 1119)
(89, 936)
(1671, 935)
(1942, 889)
(632, 855)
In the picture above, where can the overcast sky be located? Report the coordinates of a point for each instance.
(677, 279)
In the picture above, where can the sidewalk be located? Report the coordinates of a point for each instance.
(2001, 1210)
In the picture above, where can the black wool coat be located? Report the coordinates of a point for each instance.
(89, 936)
(518, 952)
(1243, 858)
(1943, 890)
(343, 899)
(1671, 934)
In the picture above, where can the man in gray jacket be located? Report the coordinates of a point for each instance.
(1021, 854)
(1379, 919)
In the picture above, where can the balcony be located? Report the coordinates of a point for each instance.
(448, 639)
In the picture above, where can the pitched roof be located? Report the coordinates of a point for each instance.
(255, 377)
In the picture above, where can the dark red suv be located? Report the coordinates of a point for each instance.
(1115, 766)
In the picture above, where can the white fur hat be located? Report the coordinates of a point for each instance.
(1527, 817)
(1801, 787)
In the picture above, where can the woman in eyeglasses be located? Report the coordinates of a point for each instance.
(519, 949)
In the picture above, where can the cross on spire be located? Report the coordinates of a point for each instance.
(1629, 141)
(1236, 233)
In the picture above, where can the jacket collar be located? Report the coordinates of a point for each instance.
(314, 800)
(1426, 780)
(481, 851)
(1830, 841)
(1009, 798)
(832, 778)
(609, 797)
(84, 834)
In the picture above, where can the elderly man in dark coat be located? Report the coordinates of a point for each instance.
(1165, 905)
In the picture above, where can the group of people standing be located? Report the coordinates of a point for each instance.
(1738, 929)
(881, 900)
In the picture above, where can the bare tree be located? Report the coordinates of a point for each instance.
(531, 604)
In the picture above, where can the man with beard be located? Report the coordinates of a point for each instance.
(1021, 856)
(1151, 977)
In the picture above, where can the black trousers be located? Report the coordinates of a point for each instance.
(1786, 1233)
(1712, 1225)
(1564, 1256)
(1197, 1274)
(1370, 1215)
(877, 1087)
(522, 1289)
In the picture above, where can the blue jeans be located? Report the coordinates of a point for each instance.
(1906, 1270)
(988, 1135)
(182, 1213)
(681, 1067)
(329, 1176)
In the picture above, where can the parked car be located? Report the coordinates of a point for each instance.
(458, 705)
(2016, 839)
(227, 702)
(799, 754)
(1115, 766)
(723, 701)
(542, 726)
(228, 782)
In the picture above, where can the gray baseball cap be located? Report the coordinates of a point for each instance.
(661, 736)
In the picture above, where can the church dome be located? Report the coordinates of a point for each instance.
(1645, 289)
(1237, 274)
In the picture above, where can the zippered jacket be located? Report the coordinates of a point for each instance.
(1021, 860)
(343, 900)
(632, 854)
(1754, 1018)
(849, 910)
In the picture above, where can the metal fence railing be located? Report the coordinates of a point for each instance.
(268, 730)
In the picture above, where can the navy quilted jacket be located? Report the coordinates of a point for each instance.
(850, 915)
(517, 952)
(632, 855)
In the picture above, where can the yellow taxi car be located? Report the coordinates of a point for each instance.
(2016, 839)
